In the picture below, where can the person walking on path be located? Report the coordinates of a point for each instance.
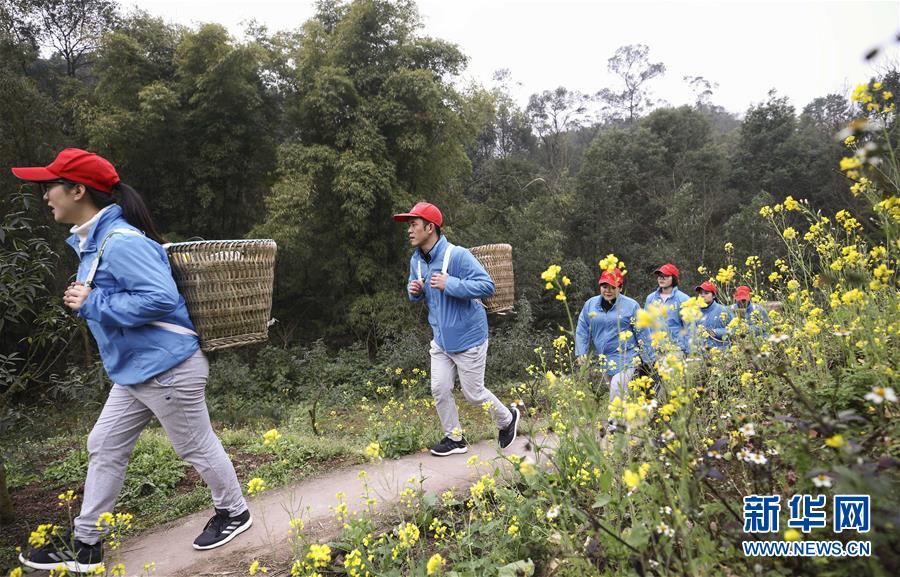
(126, 293)
(451, 281)
(670, 298)
(713, 325)
(756, 316)
(607, 324)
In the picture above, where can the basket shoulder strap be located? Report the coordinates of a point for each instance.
(446, 264)
(89, 281)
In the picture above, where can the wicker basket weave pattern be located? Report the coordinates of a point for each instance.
(227, 285)
(497, 260)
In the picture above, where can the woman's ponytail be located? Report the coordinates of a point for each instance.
(134, 209)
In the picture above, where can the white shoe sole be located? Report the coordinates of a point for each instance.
(72, 566)
(456, 451)
(226, 540)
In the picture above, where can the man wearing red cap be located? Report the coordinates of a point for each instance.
(451, 281)
(670, 298)
(713, 324)
(607, 324)
(756, 316)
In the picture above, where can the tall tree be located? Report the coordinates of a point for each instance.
(72, 28)
(553, 114)
(632, 65)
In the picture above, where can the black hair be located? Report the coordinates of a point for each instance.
(425, 222)
(134, 209)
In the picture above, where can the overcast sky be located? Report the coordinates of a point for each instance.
(802, 49)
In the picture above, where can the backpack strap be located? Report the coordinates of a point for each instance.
(89, 281)
(446, 264)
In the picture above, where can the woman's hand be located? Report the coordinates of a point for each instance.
(75, 295)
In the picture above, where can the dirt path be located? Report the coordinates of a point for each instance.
(169, 546)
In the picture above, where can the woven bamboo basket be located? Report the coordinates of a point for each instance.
(227, 285)
(497, 260)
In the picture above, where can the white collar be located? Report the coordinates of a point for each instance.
(83, 230)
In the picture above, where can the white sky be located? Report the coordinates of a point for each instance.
(802, 49)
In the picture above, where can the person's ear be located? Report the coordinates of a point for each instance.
(78, 191)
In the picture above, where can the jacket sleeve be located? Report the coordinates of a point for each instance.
(146, 290)
(413, 276)
(472, 282)
(723, 319)
(583, 332)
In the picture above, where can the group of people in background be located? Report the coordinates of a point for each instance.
(608, 324)
(451, 281)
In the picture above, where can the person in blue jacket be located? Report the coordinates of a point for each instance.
(670, 297)
(607, 324)
(712, 328)
(451, 281)
(756, 316)
(126, 293)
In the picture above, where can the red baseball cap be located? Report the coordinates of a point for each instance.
(742, 293)
(424, 210)
(707, 286)
(75, 165)
(612, 277)
(667, 269)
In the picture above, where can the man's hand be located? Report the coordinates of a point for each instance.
(580, 361)
(75, 295)
(416, 287)
(439, 281)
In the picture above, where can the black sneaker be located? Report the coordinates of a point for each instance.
(448, 446)
(508, 434)
(222, 528)
(64, 550)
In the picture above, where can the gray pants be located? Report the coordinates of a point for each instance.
(469, 365)
(618, 384)
(176, 397)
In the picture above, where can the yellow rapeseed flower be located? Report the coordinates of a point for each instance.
(789, 233)
(631, 479)
(791, 204)
(254, 567)
(435, 563)
(792, 535)
(271, 436)
(255, 485)
(835, 441)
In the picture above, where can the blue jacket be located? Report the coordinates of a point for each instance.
(674, 324)
(757, 318)
(716, 317)
(133, 286)
(457, 318)
(602, 331)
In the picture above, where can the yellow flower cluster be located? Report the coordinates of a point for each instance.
(408, 534)
(373, 451)
(435, 564)
(691, 309)
(612, 262)
(255, 485)
(271, 436)
(254, 567)
(726, 275)
(551, 273)
(320, 555)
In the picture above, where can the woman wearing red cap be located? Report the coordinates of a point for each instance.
(757, 318)
(607, 324)
(670, 297)
(126, 293)
(715, 319)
